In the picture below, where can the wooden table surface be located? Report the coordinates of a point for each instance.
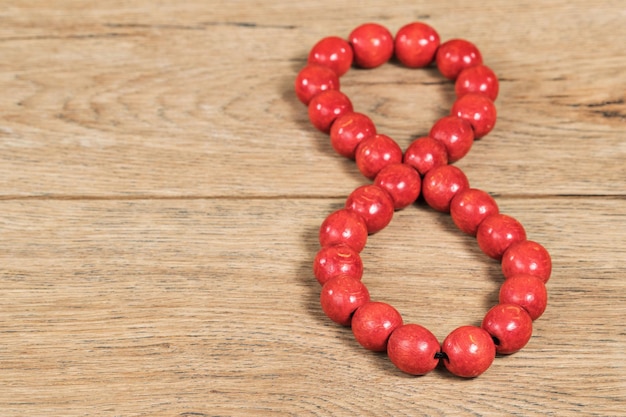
(161, 189)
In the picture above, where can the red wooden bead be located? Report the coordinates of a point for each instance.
(348, 131)
(341, 296)
(373, 323)
(497, 232)
(344, 226)
(375, 153)
(456, 134)
(470, 351)
(334, 53)
(416, 44)
(426, 153)
(479, 79)
(312, 80)
(470, 207)
(340, 259)
(527, 257)
(510, 326)
(402, 182)
(372, 45)
(526, 291)
(455, 55)
(441, 184)
(373, 205)
(412, 348)
(478, 110)
(326, 106)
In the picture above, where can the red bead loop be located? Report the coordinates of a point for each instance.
(399, 179)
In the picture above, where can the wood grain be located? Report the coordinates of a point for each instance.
(117, 91)
(161, 190)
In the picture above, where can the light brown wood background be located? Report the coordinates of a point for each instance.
(161, 191)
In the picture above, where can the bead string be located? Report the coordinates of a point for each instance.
(398, 180)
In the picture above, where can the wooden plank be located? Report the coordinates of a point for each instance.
(167, 307)
(197, 101)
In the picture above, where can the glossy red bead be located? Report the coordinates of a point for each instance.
(402, 182)
(455, 55)
(312, 80)
(527, 291)
(478, 79)
(469, 350)
(334, 53)
(425, 153)
(497, 232)
(470, 207)
(373, 323)
(373, 204)
(412, 348)
(478, 110)
(348, 131)
(510, 326)
(343, 226)
(527, 257)
(340, 259)
(375, 153)
(415, 45)
(327, 106)
(341, 296)
(456, 134)
(372, 45)
(441, 184)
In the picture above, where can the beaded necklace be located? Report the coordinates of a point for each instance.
(399, 178)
